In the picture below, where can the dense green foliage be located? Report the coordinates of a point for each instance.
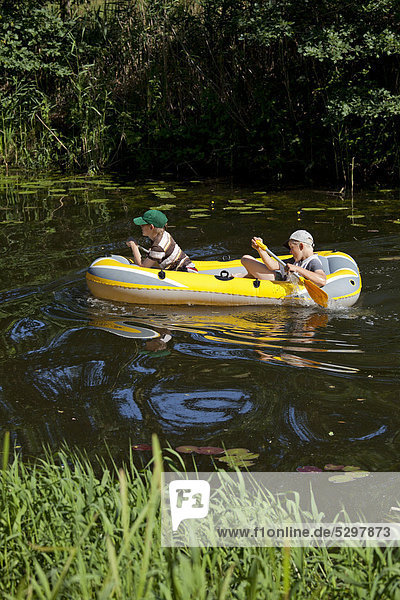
(72, 529)
(286, 90)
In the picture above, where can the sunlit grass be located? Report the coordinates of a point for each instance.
(74, 529)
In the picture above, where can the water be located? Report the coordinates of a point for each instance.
(298, 386)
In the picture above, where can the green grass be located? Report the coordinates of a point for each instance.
(70, 528)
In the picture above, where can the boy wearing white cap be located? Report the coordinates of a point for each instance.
(304, 261)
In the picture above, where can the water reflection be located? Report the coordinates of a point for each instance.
(299, 386)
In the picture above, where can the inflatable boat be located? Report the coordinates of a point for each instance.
(116, 278)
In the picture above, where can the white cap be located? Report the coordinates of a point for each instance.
(301, 235)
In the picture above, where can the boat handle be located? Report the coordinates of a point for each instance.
(224, 276)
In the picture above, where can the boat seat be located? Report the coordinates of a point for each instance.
(325, 264)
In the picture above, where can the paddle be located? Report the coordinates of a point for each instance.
(142, 248)
(319, 296)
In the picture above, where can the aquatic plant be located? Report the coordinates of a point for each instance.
(202, 87)
(79, 529)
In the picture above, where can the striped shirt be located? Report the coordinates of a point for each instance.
(166, 252)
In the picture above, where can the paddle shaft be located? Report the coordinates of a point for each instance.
(142, 248)
(272, 255)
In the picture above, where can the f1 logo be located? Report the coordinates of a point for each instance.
(189, 499)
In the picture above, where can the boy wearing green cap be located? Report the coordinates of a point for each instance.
(164, 252)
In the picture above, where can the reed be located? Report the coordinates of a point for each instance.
(71, 528)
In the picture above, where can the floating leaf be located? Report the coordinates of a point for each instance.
(309, 469)
(141, 447)
(340, 478)
(197, 215)
(355, 216)
(209, 450)
(99, 200)
(338, 208)
(333, 467)
(236, 201)
(312, 208)
(179, 190)
(78, 189)
(390, 258)
(359, 474)
(237, 451)
(236, 461)
(397, 221)
(351, 468)
(163, 207)
(187, 449)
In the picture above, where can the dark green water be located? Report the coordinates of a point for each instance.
(299, 386)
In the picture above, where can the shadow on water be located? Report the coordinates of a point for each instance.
(299, 386)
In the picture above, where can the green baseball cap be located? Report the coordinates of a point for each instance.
(152, 217)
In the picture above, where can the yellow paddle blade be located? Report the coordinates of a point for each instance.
(319, 296)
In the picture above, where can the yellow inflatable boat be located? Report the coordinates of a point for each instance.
(116, 278)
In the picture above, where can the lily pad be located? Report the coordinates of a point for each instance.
(179, 190)
(236, 461)
(187, 449)
(356, 216)
(359, 474)
(141, 447)
(199, 215)
(210, 450)
(309, 469)
(312, 208)
(237, 451)
(338, 208)
(351, 468)
(340, 478)
(163, 207)
(333, 467)
(350, 476)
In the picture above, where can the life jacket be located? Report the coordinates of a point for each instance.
(301, 263)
